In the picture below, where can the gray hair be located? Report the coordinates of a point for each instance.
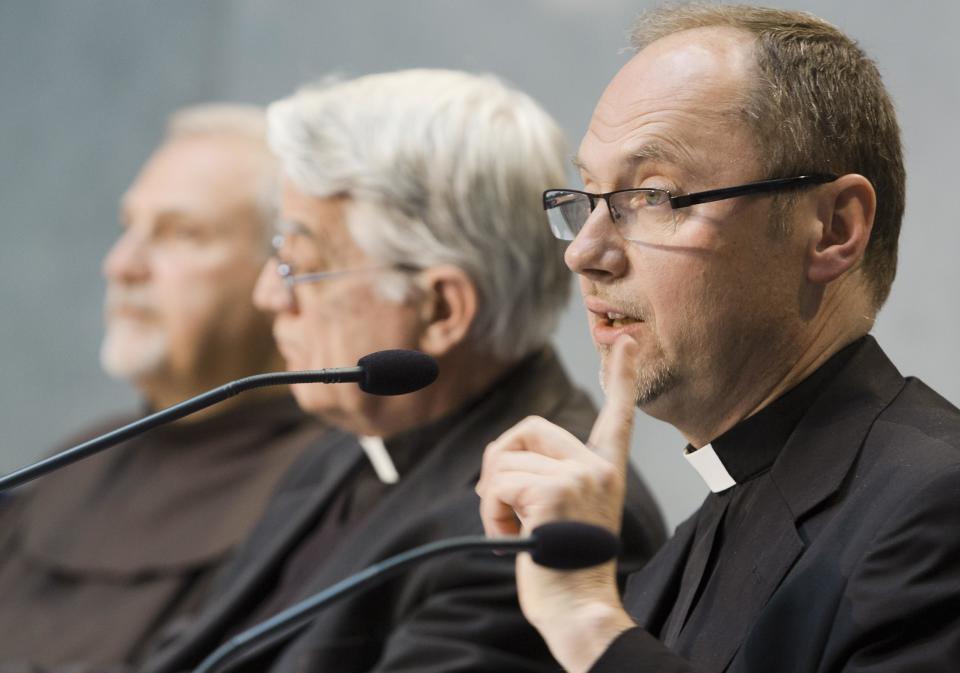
(244, 122)
(452, 166)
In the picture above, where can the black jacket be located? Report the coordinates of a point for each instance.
(857, 563)
(453, 613)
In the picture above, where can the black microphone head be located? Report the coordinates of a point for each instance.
(397, 372)
(571, 545)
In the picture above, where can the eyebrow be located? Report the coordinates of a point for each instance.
(288, 227)
(655, 152)
(648, 152)
(125, 216)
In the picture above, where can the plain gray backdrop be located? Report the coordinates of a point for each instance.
(85, 87)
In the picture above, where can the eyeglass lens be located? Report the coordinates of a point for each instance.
(639, 214)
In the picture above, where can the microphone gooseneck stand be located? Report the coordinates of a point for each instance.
(177, 411)
(562, 545)
(288, 622)
(390, 372)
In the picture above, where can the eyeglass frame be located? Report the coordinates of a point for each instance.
(686, 200)
(291, 279)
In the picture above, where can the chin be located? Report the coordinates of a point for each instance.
(128, 353)
(656, 376)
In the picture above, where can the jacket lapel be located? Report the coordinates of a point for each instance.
(810, 470)
(743, 583)
(827, 441)
(651, 593)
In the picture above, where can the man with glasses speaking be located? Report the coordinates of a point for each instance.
(736, 236)
(410, 218)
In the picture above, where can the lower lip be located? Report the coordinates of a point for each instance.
(605, 334)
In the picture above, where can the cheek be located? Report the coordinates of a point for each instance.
(335, 329)
(341, 327)
(183, 294)
(686, 298)
(198, 296)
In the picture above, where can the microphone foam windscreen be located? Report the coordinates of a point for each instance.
(396, 372)
(571, 545)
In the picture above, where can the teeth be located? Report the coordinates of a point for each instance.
(615, 316)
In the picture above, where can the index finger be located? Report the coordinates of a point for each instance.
(610, 436)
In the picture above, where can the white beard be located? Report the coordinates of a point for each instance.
(131, 350)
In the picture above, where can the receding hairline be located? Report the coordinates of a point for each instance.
(731, 109)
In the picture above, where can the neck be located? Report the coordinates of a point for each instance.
(157, 403)
(765, 376)
(165, 390)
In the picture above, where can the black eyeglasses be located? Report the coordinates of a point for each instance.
(647, 214)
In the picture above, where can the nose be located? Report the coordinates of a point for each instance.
(127, 260)
(270, 293)
(598, 250)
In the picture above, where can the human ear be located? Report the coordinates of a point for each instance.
(448, 307)
(845, 211)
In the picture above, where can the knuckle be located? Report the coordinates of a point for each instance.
(533, 423)
(607, 475)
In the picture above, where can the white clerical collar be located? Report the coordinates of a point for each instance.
(379, 458)
(711, 469)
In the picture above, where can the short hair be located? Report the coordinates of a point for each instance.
(818, 105)
(235, 120)
(452, 165)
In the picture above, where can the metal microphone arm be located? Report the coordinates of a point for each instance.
(286, 623)
(177, 411)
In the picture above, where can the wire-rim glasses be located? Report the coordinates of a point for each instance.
(646, 213)
(291, 279)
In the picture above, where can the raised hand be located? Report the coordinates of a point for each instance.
(537, 472)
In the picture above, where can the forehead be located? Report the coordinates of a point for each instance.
(205, 176)
(312, 222)
(679, 100)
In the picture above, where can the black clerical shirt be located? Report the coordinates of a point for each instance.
(724, 537)
(356, 497)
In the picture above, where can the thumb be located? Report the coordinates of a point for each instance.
(610, 436)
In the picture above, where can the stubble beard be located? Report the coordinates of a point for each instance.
(655, 376)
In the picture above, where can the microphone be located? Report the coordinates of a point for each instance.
(390, 372)
(396, 372)
(561, 545)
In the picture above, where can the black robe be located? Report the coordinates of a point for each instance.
(100, 557)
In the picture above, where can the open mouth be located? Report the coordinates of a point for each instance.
(611, 319)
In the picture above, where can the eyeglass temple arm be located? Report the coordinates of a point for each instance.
(685, 200)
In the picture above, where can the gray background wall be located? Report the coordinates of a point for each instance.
(85, 87)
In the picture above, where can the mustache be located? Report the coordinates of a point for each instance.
(127, 298)
(628, 306)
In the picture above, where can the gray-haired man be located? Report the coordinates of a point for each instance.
(411, 218)
(98, 558)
